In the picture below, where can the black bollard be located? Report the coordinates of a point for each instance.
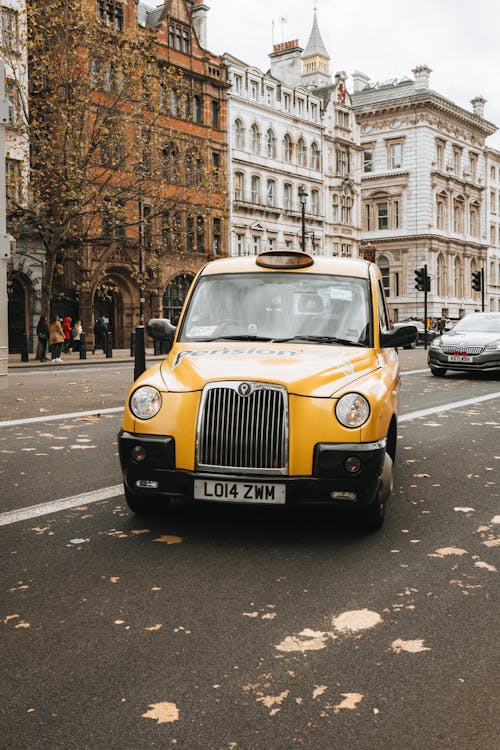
(109, 346)
(24, 348)
(140, 352)
(132, 344)
(83, 351)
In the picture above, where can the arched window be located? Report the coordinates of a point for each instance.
(383, 265)
(474, 219)
(315, 202)
(301, 153)
(315, 160)
(270, 144)
(239, 134)
(174, 297)
(287, 197)
(255, 189)
(270, 193)
(238, 186)
(255, 139)
(458, 278)
(441, 211)
(458, 214)
(287, 148)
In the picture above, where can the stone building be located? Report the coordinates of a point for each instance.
(492, 267)
(292, 133)
(140, 265)
(423, 191)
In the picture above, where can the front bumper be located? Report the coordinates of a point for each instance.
(329, 473)
(487, 360)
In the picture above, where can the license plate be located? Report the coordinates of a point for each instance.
(455, 358)
(239, 492)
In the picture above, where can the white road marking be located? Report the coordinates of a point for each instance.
(43, 509)
(57, 417)
(448, 407)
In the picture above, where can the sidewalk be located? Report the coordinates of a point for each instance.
(73, 358)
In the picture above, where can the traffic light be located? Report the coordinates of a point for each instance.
(476, 281)
(421, 279)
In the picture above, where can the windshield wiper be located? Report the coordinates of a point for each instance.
(325, 340)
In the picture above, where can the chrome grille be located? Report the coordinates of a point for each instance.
(243, 427)
(471, 350)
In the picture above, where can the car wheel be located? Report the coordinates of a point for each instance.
(438, 372)
(142, 505)
(372, 517)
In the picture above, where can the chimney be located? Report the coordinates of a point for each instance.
(360, 81)
(422, 74)
(286, 62)
(478, 105)
(199, 16)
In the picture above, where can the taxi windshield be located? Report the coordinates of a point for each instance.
(312, 308)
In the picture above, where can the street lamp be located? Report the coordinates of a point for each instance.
(303, 198)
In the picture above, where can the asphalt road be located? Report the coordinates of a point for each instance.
(221, 628)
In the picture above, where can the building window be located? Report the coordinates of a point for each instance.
(382, 216)
(315, 157)
(493, 235)
(174, 297)
(473, 166)
(395, 155)
(270, 193)
(493, 173)
(335, 208)
(238, 186)
(189, 234)
(237, 84)
(287, 149)
(440, 145)
(255, 244)
(474, 220)
(458, 215)
(301, 153)
(314, 112)
(383, 265)
(239, 140)
(368, 159)
(10, 30)
(457, 160)
(255, 189)
(12, 94)
(217, 229)
(342, 162)
(286, 102)
(111, 13)
(254, 89)
(270, 144)
(287, 197)
(315, 202)
(493, 201)
(239, 244)
(269, 95)
(441, 214)
(255, 139)
(215, 114)
(345, 209)
(198, 109)
(368, 218)
(13, 180)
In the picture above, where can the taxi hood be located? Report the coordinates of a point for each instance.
(307, 370)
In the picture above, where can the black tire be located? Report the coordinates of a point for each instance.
(371, 518)
(142, 505)
(438, 372)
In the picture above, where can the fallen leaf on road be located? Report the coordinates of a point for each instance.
(169, 539)
(412, 647)
(163, 713)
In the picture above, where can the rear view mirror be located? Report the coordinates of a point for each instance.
(161, 329)
(398, 337)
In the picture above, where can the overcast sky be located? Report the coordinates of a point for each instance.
(458, 39)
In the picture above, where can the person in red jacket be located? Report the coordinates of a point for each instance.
(67, 333)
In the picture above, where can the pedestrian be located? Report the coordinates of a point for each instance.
(56, 338)
(100, 331)
(43, 333)
(76, 333)
(67, 334)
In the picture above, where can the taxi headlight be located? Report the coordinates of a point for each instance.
(352, 410)
(145, 402)
(493, 345)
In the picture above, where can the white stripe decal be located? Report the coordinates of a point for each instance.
(56, 417)
(447, 407)
(43, 509)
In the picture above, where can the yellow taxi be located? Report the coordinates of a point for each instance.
(281, 386)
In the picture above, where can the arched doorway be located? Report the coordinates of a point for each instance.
(114, 299)
(174, 296)
(18, 315)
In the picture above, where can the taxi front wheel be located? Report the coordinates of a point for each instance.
(142, 505)
(371, 518)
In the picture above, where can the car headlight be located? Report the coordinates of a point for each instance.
(436, 343)
(493, 345)
(352, 410)
(145, 402)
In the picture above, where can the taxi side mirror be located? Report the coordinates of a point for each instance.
(398, 336)
(161, 329)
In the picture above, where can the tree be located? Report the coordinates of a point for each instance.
(105, 155)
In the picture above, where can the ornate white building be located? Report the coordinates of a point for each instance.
(292, 130)
(424, 191)
(492, 269)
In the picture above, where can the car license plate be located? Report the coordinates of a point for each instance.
(239, 492)
(459, 358)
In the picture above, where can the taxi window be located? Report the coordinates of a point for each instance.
(279, 306)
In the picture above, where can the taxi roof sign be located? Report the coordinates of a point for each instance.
(284, 259)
